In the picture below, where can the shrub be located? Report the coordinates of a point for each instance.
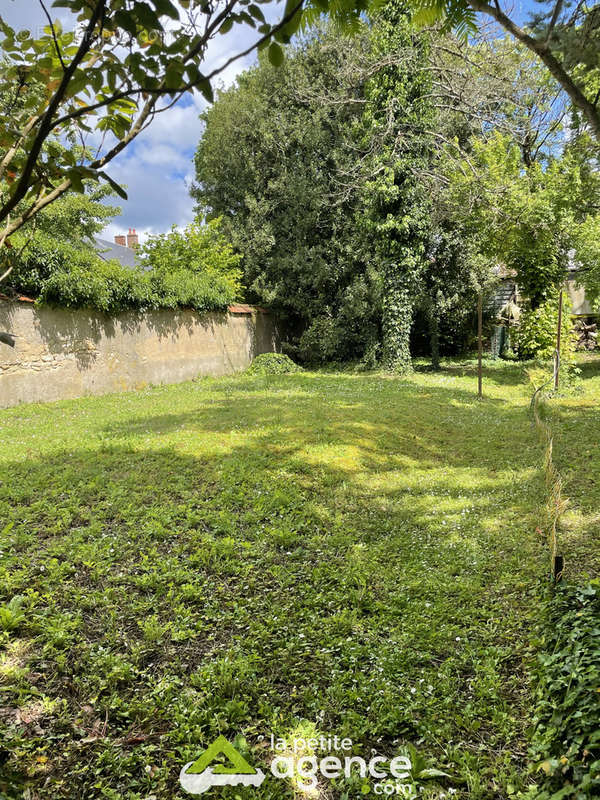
(195, 268)
(566, 740)
(535, 335)
(272, 364)
(87, 281)
(320, 341)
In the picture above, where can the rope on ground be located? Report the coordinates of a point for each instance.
(555, 502)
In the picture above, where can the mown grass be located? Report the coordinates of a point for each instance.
(576, 429)
(351, 554)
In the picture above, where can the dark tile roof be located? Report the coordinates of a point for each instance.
(109, 250)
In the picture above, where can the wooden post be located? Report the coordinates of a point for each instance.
(558, 332)
(479, 345)
(558, 564)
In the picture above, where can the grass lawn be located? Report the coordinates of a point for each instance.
(344, 554)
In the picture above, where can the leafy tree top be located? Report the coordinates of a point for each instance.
(563, 34)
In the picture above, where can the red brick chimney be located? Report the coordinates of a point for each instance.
(121, 240)
(132, 238)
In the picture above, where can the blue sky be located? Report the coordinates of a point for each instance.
(157, 168)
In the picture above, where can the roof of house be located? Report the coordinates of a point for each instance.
(109, 250)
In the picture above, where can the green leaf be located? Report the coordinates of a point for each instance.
(76, 180)
(292, 26)
(275, 54)
(117, 187)
(256, 12)
(427, 15)
(167, 8)
(206, 89)
(146, 16)
(174, 74)
(432, 772)
(126, 22)
(6, 29)
(245, 17)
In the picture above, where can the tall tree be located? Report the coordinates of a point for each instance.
(399, 114)
(315, 170)
(494, 85)
(276, 161)
(532, 219)
(565, 36)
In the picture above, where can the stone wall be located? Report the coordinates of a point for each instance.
(61, 353)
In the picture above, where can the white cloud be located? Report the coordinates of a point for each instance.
(179, 128)
(158, 167)
(157, 197)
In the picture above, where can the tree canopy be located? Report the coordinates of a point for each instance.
(392, 174)
(527, 217)
(303, 165)
(276, 162)
(563, 35)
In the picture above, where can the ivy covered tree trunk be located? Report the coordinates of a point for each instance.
(397, 321)
(398, 115)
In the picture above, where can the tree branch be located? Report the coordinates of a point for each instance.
(10, 154)
(46, 123)
(555, 14)
(57, 48)
(541, 49)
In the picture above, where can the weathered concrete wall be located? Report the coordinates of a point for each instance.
(61, 353)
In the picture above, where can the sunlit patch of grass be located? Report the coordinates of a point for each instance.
(13, 661)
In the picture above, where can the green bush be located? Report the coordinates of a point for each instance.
(347, 329)
(86, 281)
(535, 335)
(566, 740)
(195, 268)
(272, 364)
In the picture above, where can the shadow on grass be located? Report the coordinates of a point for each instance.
(304, 400)
(589, 366)
(576, 454)
(499, 372)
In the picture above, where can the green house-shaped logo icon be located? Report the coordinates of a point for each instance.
(200, 775)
